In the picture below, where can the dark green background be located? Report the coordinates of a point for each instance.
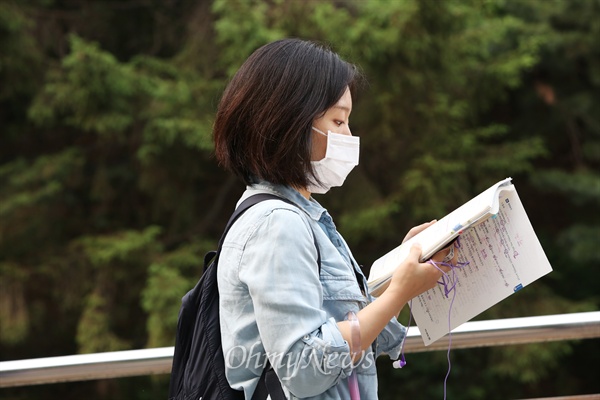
(110, 195)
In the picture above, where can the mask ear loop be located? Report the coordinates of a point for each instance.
(449, 284)
(319, 131)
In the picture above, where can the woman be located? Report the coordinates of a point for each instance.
(290, 289)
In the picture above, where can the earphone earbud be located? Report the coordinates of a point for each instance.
(399, 363)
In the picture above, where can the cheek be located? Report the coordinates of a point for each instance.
(319, 147)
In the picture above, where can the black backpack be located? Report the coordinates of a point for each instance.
(198, 370)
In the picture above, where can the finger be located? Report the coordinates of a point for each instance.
(423, 226)
(415, 252)
(439, 267)
(455, 258)
(417, 229)
(445, 268)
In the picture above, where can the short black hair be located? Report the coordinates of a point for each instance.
(262, 129)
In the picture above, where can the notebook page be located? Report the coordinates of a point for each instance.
(504, 255)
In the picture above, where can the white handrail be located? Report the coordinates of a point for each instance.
(118, 364)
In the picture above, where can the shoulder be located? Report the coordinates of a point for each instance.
(271, 235)
(275, 215)
(270, 218)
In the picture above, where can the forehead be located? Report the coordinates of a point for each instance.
(344, 103)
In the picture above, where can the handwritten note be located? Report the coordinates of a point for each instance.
(503, 254)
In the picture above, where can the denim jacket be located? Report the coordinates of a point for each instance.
(274, 302)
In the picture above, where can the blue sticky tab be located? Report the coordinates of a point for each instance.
(518, 287)
(494, 216)
(457, 227)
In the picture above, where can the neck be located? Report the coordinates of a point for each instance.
(303, 192)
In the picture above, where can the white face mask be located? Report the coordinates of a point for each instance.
(340, 158)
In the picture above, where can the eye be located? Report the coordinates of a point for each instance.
(338, 123)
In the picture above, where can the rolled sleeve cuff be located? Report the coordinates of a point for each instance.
(390, 339)
(324, 361)
(332, 349)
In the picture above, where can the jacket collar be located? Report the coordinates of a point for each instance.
(309, 206)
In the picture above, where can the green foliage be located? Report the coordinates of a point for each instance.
(89, 90)
(14, 314)
(167, 283)
(119, 247)
(368, 221)
(430, 87)
(115, 259)
(43, 177)
(94, 333)
(581, 241)
(35, 197)
(20, 57)
(109, 195)
(528, 363)
(244, 26)
(581, 187)
(93, 92)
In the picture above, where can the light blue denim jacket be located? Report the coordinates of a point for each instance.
(275, 303)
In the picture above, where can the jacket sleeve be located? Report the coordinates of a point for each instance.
(390, 340)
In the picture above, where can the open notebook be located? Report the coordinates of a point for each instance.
(500, 246)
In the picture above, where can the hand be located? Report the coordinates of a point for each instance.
(449, 251)
(418, 229)
(440, 255)
(411, 278)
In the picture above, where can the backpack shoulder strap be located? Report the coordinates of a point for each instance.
(246, 204)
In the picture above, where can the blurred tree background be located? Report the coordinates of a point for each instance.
(110, 195)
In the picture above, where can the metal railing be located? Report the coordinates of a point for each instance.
(119, 364)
